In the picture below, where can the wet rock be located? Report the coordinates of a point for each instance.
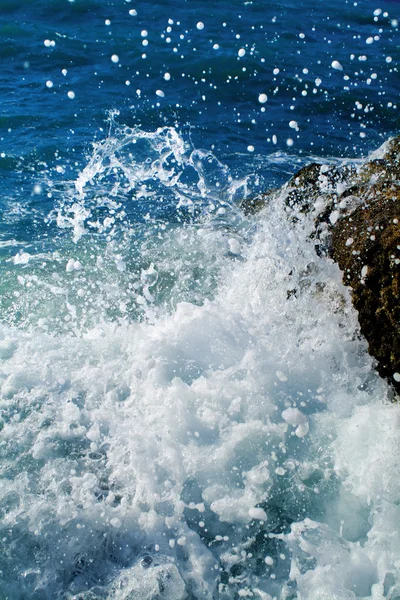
(366, 246)
(253, 205)
(357, 216)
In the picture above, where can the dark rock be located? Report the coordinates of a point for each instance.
(366, 246)
(357, 216)
(251, 206)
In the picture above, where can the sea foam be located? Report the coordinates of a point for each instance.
(229, 444)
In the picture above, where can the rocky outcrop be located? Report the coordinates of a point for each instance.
(357, 223)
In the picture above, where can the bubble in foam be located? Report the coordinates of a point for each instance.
(262, 98)
(258, 513)
(200, 25)
(234, 246)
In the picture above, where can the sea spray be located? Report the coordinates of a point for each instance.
(155, 452)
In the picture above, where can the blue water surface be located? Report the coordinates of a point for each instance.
(217, 71)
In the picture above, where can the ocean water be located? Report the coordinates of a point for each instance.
(188, 411)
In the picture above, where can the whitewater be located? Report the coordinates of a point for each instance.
(188, 408)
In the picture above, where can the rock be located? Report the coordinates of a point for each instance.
(251, 206)
(366, 246)
(357, 210)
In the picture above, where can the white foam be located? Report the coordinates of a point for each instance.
(176, 453)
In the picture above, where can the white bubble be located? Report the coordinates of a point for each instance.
(274, 139)
(200, 25)
(281, 376)
(388, 59)
(268, 560)
(71, 95)
(145, 42)
(22, 258)
(160, 93)
(250, 148)
(216, 46)
(241, 52)
(64, 72)
(49, 84)
(377, 12)
(115, 58)
(133, 12)
(234, 246)
(115, 522)
(262, 98)
(289, 142)
(369, 40)
(294, 125)
(275, 71)
(167, 76)
(336, 65)
(396, 377)
(144, 33)
(258, 513)
(107, 22)
(70, 265)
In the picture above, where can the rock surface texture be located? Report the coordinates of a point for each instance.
(357, 210)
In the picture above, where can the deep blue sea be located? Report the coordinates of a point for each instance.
(174, 423)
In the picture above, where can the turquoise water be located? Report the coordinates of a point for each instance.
(174, 423)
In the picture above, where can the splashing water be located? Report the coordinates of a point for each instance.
(188, 408)
(143, 199)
